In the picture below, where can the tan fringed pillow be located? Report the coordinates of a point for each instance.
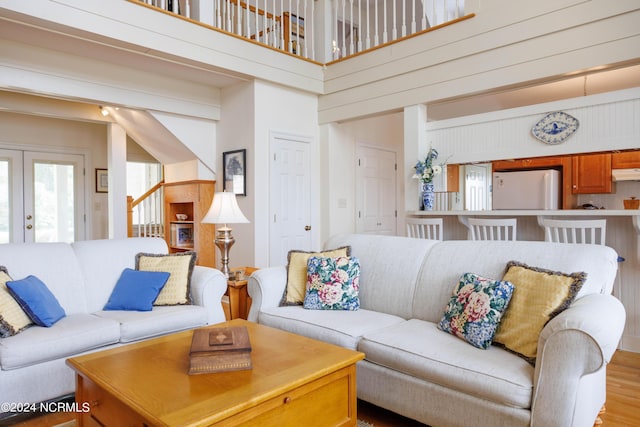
(180, 265)
(538, 297)
(13, 318)
(296, 287)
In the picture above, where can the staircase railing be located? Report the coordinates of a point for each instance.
(355, 25)
(145, 215)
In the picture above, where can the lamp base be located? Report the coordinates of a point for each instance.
(224, 240)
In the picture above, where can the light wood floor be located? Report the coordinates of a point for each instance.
(622, 407)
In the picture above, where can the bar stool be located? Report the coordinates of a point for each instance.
(424, 228)
(592, 231)
(493, 228)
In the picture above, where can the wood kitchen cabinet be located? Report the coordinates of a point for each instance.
(625, 160)
(591, 174)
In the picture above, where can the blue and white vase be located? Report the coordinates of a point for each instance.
(427, 196)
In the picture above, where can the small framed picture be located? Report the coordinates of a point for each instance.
(102, 181)
(182, 235)
(235, 172)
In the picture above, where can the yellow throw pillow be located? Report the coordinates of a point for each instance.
(180, 265)
(539, 296)
(13, 319)
(296, 287)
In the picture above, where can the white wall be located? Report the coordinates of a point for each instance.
(287, 111)
(608, 121)
(384, 131)
(235, 132)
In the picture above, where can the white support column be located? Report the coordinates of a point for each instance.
(117, 166)
(415, 147)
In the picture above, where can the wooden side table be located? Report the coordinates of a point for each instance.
(239, 300)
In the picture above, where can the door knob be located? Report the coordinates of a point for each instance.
(307, 227)
(29, 227)
(29, 217)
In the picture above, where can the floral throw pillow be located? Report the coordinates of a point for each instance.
(332, 283)
(475, 309)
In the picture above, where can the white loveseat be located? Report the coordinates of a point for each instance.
(415, 369)
(81, 276)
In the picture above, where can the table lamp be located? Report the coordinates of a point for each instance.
(224, 210)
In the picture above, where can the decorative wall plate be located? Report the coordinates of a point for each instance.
(555, 127)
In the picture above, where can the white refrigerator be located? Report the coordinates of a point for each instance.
(534, 189)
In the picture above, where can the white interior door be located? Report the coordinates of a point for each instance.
(290, 197)
(376, 191)
(476, 187)
(44, 198)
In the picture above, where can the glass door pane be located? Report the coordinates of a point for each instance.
(53, 192)
(11, 229)
(5, 217)
(54, 197)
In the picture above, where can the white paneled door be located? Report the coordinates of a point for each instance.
(41, 197)
(376, 191)
(290, 197)
(476, 188)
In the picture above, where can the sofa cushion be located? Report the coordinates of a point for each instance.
(13, 318)
(101, 272)
(475, 309)
(296, 287)
(53, 263)
(539, 296)
(343, 328)
(71, 335)
(332, 283)
(420, 349)
(180, 265)
(138, 325)
(36, 300)
(136, 290)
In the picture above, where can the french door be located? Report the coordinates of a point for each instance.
(41, 197)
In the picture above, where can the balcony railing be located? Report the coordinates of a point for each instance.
(356, 25)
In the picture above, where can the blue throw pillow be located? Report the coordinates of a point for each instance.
(136, 290)
(36, 300)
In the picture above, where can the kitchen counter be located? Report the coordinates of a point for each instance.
(545, 213)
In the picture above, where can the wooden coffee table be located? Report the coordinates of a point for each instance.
(294, 381)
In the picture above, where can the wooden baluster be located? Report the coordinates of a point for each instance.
(368, 39)
(359, 49)
(394, 25)
(351, 47)
(404, 19)
(343, 45)
(413, 16)
(385, 37)
(376, 39)
(311, 38)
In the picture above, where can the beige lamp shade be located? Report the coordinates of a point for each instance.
(224, 210)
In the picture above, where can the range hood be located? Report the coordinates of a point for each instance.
(626, 174)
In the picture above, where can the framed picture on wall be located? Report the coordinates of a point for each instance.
(234, 170)
(102, 181)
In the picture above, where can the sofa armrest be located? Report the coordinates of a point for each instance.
(579, 341)
(265, 287)
(208, 285)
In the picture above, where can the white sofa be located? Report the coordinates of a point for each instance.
(415, 369)
(81, 276)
